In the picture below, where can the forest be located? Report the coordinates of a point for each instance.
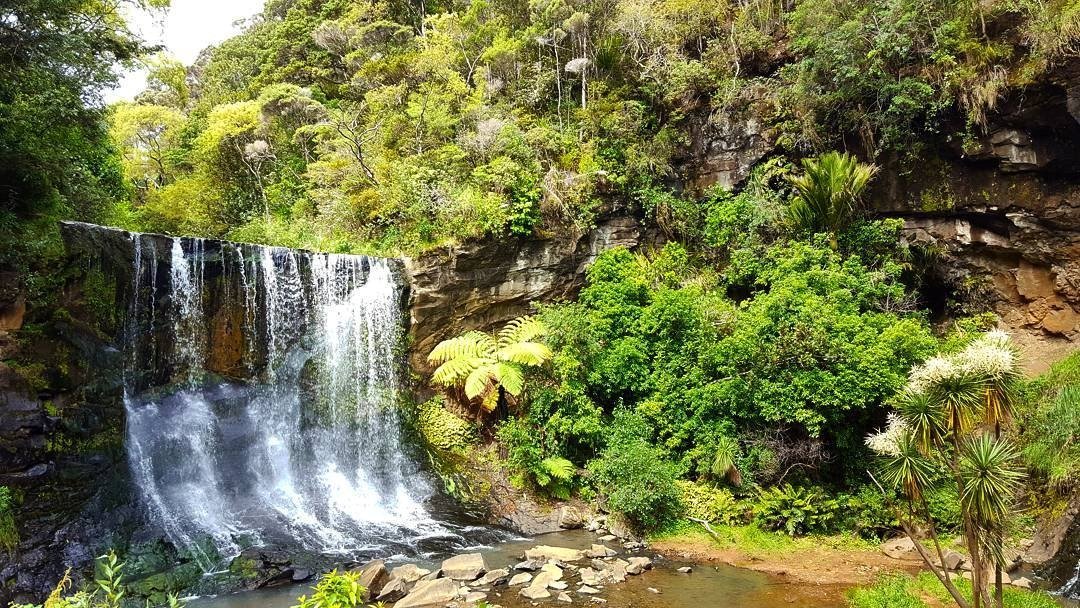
(778, 358)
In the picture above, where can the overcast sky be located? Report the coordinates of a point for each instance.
(185, 29)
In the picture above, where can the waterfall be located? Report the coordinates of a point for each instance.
(300, 444)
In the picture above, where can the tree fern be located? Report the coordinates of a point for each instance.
(487, 366)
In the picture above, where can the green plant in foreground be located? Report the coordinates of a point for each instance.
(490, 367)
(335, 590)
(948, 430)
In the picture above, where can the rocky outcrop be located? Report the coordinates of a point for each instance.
(482, 284)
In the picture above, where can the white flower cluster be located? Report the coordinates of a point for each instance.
(992, 355)
(887, 441)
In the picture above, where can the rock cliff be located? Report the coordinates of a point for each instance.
(483, 284)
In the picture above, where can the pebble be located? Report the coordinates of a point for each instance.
(686, 569)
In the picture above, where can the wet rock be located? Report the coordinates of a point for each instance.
(493, 577)
(435, 574)
(551, 570)
(430, 593)
(591, 577)
(531, 565)
(409, 573)
(588, 590)
(545, 552)
(467, 567)
(607, 538)
(637, 565)
(535, 592)
(300, 575)
(653, 590)
(685, 569)
(373, 576)
(1022, 582)
(393, 590)
(520, 579)
(597, 551)
(474, 596)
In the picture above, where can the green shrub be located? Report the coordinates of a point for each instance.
(714, 505)
(640, 483)
(335, 590)
(798, 511)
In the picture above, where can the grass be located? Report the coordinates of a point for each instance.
(755, 542)
(903, 591)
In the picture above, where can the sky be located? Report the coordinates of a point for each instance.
(186, 28)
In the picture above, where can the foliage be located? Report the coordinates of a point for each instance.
(9, 531)
(491, 367)
(639, 483)
(904, 591)
(829, 192)
(108, 590)
(1050, 418)
(335, 590)
(797, 511)
(948, 429)
(714, 505)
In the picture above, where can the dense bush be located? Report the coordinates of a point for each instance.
(638, 482)
(714, 505)
(335, 590)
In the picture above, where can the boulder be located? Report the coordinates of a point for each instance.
(474, 596)
(393, 590)
(571, 518)
(1022, 582)
(373, 576)
(900, 548)
(591, 577)
(619, 527)
(954, 560)
(534, 592)
(600, 551)
(520, 579)
(552, 570)
(545, 553)
(638, 565)
(409, 573)
(587, 590)
(685, 569)
(493, 577)
(430, 593)
(531, 565)
(466, 567)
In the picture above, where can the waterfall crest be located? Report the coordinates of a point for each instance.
(261, 393)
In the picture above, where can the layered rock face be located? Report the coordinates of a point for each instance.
(483, 284)
(1005, 209)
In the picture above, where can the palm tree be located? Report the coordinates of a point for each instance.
(828, 193)
(491, 366)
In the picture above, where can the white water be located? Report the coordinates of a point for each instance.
(306, 452)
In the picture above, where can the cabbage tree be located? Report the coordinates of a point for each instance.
(490, 366)
(828, 193)
(948, 428)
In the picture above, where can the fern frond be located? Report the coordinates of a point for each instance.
(558, 468)
(491, 400)
(525, 353)
(452, 371)
(521, 329)
(478, 381)
(472, 344)
(510, 377)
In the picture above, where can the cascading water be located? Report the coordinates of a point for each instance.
(305, 449)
